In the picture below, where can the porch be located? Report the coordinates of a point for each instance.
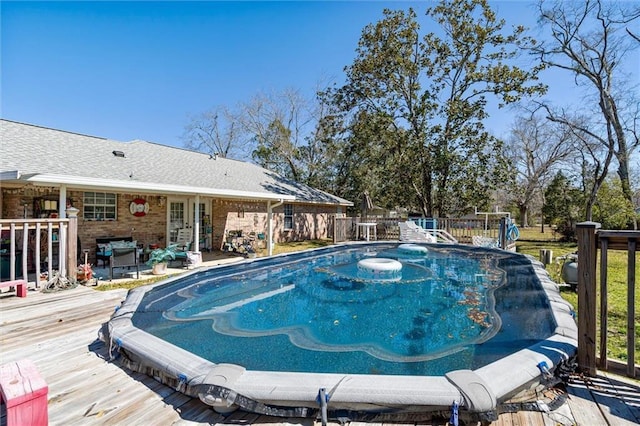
(37, 249)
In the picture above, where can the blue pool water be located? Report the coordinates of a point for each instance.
(453, 307)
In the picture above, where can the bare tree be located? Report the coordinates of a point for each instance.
(289, 132)
(536, 147)
(282, 131)
(589, 39)
(216, 132)
(277, 123)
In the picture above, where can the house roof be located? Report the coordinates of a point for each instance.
(44, 156)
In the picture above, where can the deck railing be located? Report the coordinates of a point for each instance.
(346, 228)
(590, 238)
(38, 246)
(463, 230)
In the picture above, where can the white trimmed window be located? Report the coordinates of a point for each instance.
(99, 206)
(288, 216)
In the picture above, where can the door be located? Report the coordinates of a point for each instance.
(182, 214)
(204, 228)
(177, 218)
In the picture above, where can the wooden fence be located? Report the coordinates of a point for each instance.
(463, 230)
(590, 239)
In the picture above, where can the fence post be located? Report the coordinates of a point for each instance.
(604, 302)
(335, 228)
(72, 244)
(587, 255)
(502, 233)
(631, 309)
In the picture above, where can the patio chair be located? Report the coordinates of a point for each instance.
(183, 243)
(124, 258)
(184, 239)
(440, 235)
(415, 233)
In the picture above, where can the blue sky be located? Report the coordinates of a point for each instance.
(126, 70)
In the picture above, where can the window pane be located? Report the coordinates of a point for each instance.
(288, 216)
(99, 206)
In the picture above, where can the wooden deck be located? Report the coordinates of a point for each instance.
(58, 332)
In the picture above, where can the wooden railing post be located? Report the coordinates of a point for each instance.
(72, 244)
(12, 251)
(25, 250)
(587, 258)
(604, 301)
(631, 309)
(502, 233)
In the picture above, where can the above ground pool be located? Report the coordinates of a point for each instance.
(366, 328)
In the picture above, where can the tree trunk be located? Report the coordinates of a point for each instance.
(427, 189)
(588, 213)
(524, 215)
(623, 173)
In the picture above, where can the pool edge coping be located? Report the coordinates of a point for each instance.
(492, 382)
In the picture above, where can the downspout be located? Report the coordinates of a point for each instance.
(270, 208)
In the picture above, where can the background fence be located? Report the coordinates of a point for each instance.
(463, 230)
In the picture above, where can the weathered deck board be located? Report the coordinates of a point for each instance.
(615, 408)
(59, 332)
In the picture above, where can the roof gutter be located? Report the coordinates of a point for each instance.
(10, 175)
(137, 186)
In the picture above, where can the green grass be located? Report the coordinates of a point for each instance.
(532, 241)
(130, 284)
(298, 246)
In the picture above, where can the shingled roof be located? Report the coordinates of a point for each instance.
(41, 155)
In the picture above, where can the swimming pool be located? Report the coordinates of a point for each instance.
(452, 323)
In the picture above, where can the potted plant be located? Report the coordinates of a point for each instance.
(159, 258)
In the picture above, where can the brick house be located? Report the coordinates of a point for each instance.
(150, 191)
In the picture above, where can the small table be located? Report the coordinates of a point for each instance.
(367, 228)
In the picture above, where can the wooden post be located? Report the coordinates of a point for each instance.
(335, 227)
(587, 257)
(604, 303)
(50, 250)
(72, 244)
(25, 250)
(503, 233)
(12, 252)
(37, 260)
(631, 313)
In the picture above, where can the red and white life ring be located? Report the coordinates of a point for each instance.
(139, 207)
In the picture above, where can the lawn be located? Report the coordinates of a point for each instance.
(532, 241)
